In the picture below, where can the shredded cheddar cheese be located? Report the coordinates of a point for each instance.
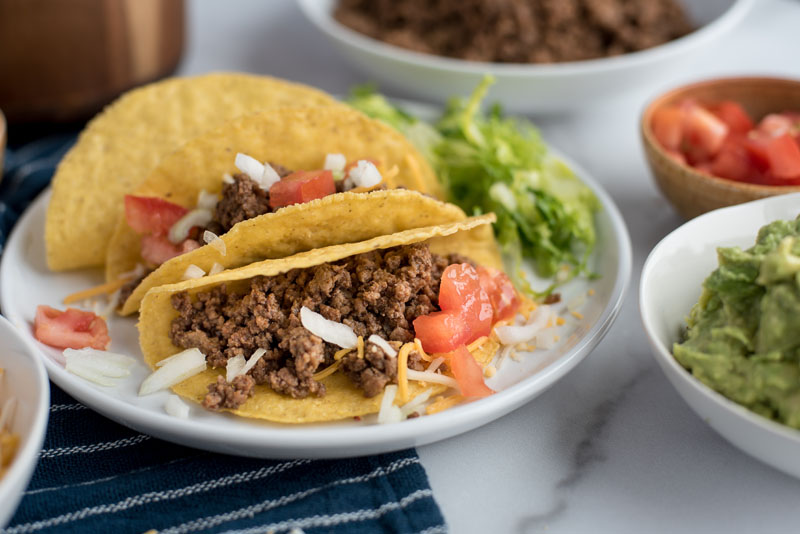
(560, 321)
(328, 371)
(402, 371)
(102, 289)
(422, 354)
(475, 345)
(590, 292)
(341, 354)
(577, 315)
(360, 347)
(443, 403)
(490, 371)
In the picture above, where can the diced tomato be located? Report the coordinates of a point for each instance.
(441, 331)
(677, 156)
(70, 329)
(460, 291)
(734, 115)
(776, 124)
(151, 215)
(667, 126)
(504, 297)
(703, 134)
(735, 162)
(300, 187)
(156, 249)
(468, 373)
(783, 155)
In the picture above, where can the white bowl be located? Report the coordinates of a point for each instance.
(671, 283)
(526, 88)
(26, 380)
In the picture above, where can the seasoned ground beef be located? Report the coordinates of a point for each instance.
(241, 200)
(379, 292)
(231, 395)
(518, 31)
(376, 369)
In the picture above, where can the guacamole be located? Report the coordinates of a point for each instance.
(743, 338)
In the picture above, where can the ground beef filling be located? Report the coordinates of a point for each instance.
(379, 292)
(518, 31)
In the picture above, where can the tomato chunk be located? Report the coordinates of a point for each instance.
(735, 162)
(151, 215)
(157, 249)
(502, 294)
(734, 115)
(703, 133)
(667, 125)
(441, 331)
(461, 291)
(70, 329)
(776, 124)
(468, 373)
(783, 155)
(300, 187)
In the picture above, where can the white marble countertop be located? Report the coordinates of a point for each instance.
(611, 447)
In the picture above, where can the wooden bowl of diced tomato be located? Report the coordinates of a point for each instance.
(722, 142)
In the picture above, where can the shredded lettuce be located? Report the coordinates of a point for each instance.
(490, 162)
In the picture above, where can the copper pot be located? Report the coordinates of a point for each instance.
(63, 60)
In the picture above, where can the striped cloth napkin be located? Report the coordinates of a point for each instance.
(96, 476)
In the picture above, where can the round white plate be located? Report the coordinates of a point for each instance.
(671, 284)
(26, 282)
(25, 380)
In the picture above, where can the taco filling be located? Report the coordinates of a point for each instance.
(169, 230)
(377, 295)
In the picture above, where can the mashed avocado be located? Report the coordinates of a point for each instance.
(744, 333)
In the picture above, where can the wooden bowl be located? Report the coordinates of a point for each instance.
(691, 192)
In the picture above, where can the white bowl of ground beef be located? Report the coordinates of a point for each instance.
(528, 87)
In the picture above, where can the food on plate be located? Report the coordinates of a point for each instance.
(71, 328)
(518, 31)
(270, 185)
(326, 334)
(743, 338)
(491, 163)
(119, 148)
(722, 140)
(9, 441)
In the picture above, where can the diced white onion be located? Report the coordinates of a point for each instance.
(7, 413)
(234, 367)
(512, 335)
(215, 241)
(106, 364)
(253, 360)
(192, 272)
(176, 407)
(215, 269)
(269, 177)
(434, 365)
(136, 272)
(180, 230)
(389, 413)
(337, 333)
(227, 178)
(364, 174)
(383, 344)
(504, 353)
(89, 373)
(184, 365)
(253, 168)
(416, 403)
(423, 376)
(206, 200)
(335, 162)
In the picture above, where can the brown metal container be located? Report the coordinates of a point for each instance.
(62, 60)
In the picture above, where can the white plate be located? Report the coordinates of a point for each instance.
(671, 284)
(25, 282)
(26, 380)
(528, 88)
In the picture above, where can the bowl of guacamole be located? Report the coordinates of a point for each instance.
(720, 302)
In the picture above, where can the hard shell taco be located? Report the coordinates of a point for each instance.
(230, 186)
(321, 335)
(121, 145)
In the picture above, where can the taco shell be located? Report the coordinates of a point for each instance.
(342, 400)
(120, 146)
(298, 138)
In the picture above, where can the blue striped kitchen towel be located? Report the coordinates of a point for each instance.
(96, 476)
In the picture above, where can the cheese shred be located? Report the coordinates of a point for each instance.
(341, 354)
(443, 403)
(420, 351)
(402, 371)
(475, 345)
(328, 371)
(102, 289)
(360, 347)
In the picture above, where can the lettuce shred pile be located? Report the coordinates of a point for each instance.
(489, 162)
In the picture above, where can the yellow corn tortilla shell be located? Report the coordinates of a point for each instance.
(120, 146)
(297, 138)
(333, 220)
(342, 400)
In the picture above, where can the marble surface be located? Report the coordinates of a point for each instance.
(612, 447)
